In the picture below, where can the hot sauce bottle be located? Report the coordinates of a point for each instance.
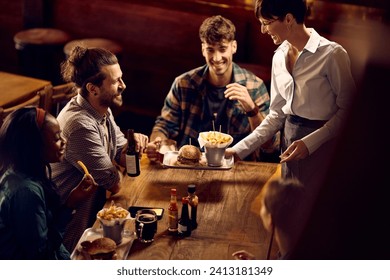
(184, 228)
(193, 202)
(173, 213)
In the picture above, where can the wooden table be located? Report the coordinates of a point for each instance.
(15, 88)
(228, 211)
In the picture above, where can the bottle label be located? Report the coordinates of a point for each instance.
(131, 165)
(173, 220)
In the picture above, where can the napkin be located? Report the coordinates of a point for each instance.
(113, 215)
(214, 139)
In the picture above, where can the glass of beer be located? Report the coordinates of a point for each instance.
(146, 225)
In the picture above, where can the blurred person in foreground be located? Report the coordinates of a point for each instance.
(32, 219)
(281, 212)
(91, 133)
(219, 92)
(311, 92)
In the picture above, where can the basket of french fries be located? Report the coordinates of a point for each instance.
(214, 139)
(113, 215)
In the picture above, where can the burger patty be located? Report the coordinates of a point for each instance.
(189, 155)
(187, 161)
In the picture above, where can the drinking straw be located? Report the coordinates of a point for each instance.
(190, 141)
(220, 128)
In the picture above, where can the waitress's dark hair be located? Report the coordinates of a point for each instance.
(278, 9)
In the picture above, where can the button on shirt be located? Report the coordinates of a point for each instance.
(106, 134)
(320, 88)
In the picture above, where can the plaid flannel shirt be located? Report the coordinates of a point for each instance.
(184, 107)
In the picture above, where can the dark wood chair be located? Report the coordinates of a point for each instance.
(57, 96)
(36, 100)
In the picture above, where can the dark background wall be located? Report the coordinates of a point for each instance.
(160, 38)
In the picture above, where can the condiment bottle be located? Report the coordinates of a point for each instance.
(184, 228)
(132, 156)
(193, 202)
(173, 212)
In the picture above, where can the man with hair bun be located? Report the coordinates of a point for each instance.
(92, 135)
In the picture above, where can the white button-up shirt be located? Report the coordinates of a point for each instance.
(320, 88)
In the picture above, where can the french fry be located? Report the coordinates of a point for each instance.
(113, 212)
(83, 167)
(215, 137)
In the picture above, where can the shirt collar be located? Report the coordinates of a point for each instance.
(238, 75)
(314, 41)
(312, 44)
(283, 47)
(85, 104)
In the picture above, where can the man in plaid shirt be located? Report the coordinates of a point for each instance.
(222, 92)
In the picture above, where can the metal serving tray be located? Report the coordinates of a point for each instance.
(90, 234)
(170, 161)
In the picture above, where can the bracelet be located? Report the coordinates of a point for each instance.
(253, 112)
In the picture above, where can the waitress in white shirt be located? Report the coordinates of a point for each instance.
(311, 91)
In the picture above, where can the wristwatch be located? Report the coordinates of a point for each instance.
(253, 112)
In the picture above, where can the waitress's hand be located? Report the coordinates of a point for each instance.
(83, 191)
(296, 151)
(229, 152)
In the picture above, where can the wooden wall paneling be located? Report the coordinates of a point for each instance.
(161, 41)
(11, 21)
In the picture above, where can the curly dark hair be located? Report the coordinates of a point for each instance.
(215, 29)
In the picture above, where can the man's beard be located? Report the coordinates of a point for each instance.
(114, 102)
(221, 68)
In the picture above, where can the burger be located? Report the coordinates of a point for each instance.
(100, 249)
(189, 155)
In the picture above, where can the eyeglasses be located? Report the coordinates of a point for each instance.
(264, 24)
